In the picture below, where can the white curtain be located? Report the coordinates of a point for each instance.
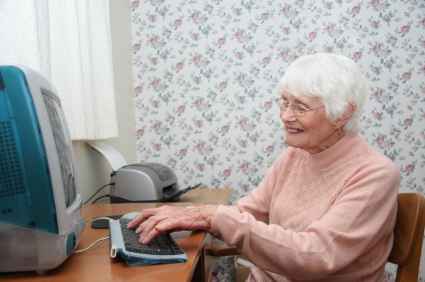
(69, 42)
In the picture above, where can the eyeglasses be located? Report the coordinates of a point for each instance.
(298, 109)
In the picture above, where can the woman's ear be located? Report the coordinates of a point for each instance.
(351, 109)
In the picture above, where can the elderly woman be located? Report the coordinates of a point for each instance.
(327, 208)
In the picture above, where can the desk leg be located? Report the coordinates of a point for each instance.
(203, 267)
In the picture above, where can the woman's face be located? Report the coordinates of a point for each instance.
(313, 132)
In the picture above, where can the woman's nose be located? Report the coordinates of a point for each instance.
(287, 115)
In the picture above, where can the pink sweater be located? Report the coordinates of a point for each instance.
(317, 217)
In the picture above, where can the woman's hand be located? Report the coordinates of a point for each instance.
(154, 221)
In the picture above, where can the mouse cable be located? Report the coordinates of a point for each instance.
(79, 251)
(98, 191)
(100, 198)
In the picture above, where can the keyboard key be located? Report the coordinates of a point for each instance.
(156, 251)
(136, 250)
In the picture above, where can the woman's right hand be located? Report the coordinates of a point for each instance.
(151, 222)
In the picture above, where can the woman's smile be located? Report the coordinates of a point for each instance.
(294, 130)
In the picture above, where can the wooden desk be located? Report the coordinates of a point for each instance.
(211, 196)
(217, 196)
(96, 265)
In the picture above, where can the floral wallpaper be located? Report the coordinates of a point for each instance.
(205, 76)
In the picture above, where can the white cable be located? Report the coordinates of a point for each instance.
(79, 251)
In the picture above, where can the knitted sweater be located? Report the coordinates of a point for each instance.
(317, 217)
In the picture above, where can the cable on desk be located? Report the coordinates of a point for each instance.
(100, 198)
(97, 218)
(98, 191)
(79, 251)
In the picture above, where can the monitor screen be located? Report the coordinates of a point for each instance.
(62, 146)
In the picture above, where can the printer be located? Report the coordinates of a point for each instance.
(143, 183)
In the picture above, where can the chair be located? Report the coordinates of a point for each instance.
(408, 237)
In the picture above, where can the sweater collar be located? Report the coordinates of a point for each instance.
(343, 150)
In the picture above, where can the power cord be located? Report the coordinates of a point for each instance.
(100, 198)
(79, 251)
(98, 192)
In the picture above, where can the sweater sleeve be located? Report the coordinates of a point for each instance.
(362, 216)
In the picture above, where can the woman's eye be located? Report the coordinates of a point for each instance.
(301, 107)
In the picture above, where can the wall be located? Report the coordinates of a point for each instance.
(93, 168)
(205, 75)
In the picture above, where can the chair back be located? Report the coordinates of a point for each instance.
(408, 236)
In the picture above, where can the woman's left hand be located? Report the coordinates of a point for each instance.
(154, 221)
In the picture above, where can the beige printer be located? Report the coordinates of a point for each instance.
(141, 182)
(144, 182)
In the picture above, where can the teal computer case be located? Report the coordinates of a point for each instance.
(41, 216)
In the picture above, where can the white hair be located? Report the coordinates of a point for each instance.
(335, 80)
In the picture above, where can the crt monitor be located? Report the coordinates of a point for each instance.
(41, 216)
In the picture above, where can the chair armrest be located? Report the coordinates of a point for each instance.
(222, 250)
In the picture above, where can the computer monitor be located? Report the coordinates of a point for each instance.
(41, 216)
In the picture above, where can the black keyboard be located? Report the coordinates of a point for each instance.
(162, 244)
